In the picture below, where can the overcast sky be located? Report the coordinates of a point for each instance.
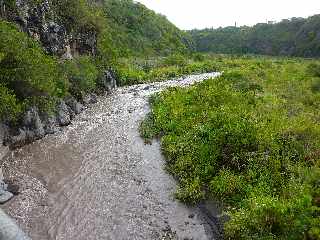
(190, 14)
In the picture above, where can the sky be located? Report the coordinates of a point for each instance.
(191, 14)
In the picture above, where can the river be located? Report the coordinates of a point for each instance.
(97, 179)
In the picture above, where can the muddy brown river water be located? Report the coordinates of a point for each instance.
(96, 179)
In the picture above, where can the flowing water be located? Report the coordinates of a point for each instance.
(96, 179)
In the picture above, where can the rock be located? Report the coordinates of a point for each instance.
(50, 124)
(17, 139)
(85, 43)
(90, 99)
(9, 230)
(33, 125)
(67, 55)
(108, 80)
(74, 105)
(4, 194)
(3, 149)
(55, 39)
(12, 187)
(63, 114)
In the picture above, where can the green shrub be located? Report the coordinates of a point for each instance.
(26, 70)
(176, 59)
(314, 69)
(9, 108)
(82, 74)
(78, 15)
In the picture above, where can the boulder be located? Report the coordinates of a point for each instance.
(32, 125)
(90, 99)
(63, 114)
(50, 124)
(74, 105)
(108, 80)
(4, 194)
(16, 139)
(3, 149)
(55, 39)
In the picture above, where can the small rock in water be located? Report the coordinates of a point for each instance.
(13, 188)
(5, 196)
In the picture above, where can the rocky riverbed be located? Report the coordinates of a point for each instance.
(97, 179)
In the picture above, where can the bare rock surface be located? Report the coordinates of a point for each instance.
(97, 179)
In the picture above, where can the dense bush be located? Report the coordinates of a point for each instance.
(82, 74)
(137, 30)
(26, 71)
(134, 71)
(314, 69)
(9, 108)
(78, 15)
(249, 138)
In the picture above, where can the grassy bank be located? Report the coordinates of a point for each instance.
(143, 70)
(249, 138)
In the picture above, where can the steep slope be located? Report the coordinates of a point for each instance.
(137, 30)
(294, 37)
(51, 49)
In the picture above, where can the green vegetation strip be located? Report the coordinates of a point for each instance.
(249, 138)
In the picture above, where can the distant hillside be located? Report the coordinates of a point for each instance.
(136, 29)
(294, 37)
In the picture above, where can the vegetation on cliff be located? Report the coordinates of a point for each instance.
(27, 74)
(137, 30)
(99, 33)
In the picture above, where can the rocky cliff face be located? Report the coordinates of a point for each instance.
(35, 125)
(39, 20)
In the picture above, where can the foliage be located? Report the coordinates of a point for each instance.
(9, 108)
(293, 37)
(82, 75)
(78, 15)
(136, 30)
(25, 70)
(249, 138)
(137, 70)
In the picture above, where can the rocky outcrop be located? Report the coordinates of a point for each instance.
(108, 80)
(3, 149)
(35, 126)
(40, 21)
